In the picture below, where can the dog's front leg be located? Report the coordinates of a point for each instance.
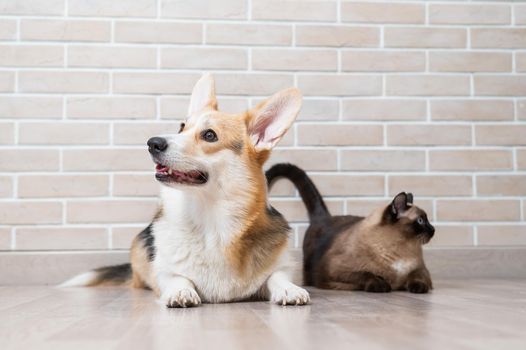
(177, 291)
(284, 292)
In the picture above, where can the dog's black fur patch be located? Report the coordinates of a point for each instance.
(148, 240)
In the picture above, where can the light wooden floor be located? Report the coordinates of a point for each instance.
(476, 314)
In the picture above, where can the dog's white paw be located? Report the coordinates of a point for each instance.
(185, 297)
(292, 295)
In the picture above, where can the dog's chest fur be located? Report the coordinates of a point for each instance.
(196, 248)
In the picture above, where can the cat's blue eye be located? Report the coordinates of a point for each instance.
(420, 221)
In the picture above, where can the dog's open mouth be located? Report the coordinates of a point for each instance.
(167, 174)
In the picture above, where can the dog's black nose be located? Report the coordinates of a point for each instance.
(157, 145)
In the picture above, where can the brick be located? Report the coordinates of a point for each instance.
(7, 133)
(7, 29)
(499, 38)
(452, 236)
(177, 107)
(377, 61)
(6, 186)
(431, 185)
(497, 235)
(32, 7)
(428, 135)
(252, 84)
(446, 61)
(65, 30)
(319, 110)
(382, 13)
(107, 160)
(384, 109)
(427, 85)
(282, 187)
(521, 109)
(501, 185)
(63, 81)
(133, 185)
(349, 185)
(337, 36)
(122, 237)
(224, 9)
(5, 238)
(470, 160)
(294, 60)
(111, 108)
(520, 61)
(29, 55)
(29, 160)
(475, 110)
(52, 186)
(139, 133)
(512, 85)
(112, 57)
(30, 107)
(19, 213)
(415, 37)
(7, 81)
(365, 207)
(204, 58)
(469, 14)
(158, 32)
(294, 210)
(61, 238)
(154, 83)
(109, 211)
(63, 133)
(389, 160)
(478, 210)
(307, 159)
(248, 34)
(340, 135)
(340, 85)
(122, 8)
(521, 159)
(520, 14)
(500, 135)
(294, 10)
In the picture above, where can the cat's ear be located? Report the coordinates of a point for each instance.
(401, 203)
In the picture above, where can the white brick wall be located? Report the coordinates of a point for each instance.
(424, 96)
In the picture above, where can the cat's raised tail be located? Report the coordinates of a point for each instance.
(309, 193)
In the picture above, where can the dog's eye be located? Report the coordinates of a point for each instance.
(181, 128)
(209, 135)
(420, 221)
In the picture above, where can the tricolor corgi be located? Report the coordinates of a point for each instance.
(215, 237)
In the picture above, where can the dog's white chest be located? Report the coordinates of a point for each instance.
(204, 263)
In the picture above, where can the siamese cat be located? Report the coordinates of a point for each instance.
(378, 253)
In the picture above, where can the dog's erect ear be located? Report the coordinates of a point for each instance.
(203, 95)
(271, 119)
(400, 203)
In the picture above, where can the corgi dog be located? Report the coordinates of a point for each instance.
(215, 238)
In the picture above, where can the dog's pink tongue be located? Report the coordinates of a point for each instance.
(161, 169)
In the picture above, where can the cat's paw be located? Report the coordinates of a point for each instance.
(293, 295)
(185, 297)
(378, 286)
(417, 287)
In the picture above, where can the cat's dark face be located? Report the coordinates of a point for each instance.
(408, 218)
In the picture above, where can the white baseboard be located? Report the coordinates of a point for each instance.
(49, 268)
